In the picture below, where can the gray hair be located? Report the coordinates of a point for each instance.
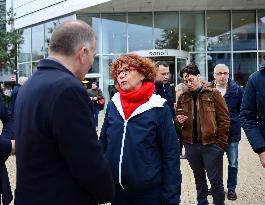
(69, 36)
(181, 87)
(220, 66)
(22, 79)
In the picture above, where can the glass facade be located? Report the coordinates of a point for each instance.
(35, 45)
(235, 38)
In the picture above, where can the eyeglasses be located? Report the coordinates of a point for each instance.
(125, 70)
(191, 80)
(220, 73)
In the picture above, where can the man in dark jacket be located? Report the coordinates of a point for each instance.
(21, 81)
(162, 86)
(252, 114)
(7, 147)
(232, 93)
(203, 115)
(59, 158)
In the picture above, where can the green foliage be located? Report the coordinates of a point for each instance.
(9, 41)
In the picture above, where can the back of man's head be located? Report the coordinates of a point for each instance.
(22, 80)
(191, 69)
(69, 36)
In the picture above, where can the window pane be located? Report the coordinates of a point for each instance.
(140, 31)
(261, 31)
(25, 47)
(49, 28)
(114, 33)
(199, 60)
(24, 69)
(95, 23)
(95, 66)
(108, 83)
(166, 30)
(261, 58)
(218, 31)
(244, 65)
(38, 42)
(217, 58)
(34, 66)
(192, 31)
(244, 30)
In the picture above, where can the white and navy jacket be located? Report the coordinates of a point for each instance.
(143, 150)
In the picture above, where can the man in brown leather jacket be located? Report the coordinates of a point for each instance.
(203, 115)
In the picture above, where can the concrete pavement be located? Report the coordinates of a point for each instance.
(251, 177)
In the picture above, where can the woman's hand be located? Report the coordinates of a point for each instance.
(182, 118)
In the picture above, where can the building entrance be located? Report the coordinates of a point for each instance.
(176, 59)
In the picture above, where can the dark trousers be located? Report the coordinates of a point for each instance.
(207, 159)
(148, 197)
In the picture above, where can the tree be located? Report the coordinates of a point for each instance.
(9, 41)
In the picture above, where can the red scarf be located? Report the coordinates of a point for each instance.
(131, 100)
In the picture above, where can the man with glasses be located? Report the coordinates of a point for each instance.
(232, 94)
(203, 115)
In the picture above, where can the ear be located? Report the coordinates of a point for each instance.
(82, 54)
(142, 77)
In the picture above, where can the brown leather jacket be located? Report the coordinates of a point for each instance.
(212, 116)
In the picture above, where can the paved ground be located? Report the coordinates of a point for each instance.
(251, 178)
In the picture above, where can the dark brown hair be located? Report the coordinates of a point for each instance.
(69, 36)
(143, 65)
(191, 69)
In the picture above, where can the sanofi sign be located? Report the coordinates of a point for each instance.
(163, 52)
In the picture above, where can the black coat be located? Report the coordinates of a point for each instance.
(165, 91)
(59, 158)
(5, 150)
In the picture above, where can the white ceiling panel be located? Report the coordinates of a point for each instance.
(175, 5)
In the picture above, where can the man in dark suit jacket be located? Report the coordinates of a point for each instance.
(162, 85)
(59, 158)
(7, 147)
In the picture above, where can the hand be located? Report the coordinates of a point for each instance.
(182, 118)
(262, 159)
(95, 98)
(13, 149)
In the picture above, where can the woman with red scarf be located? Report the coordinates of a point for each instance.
(139, 137)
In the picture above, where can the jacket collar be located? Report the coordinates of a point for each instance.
(53, 64)
(154, 101)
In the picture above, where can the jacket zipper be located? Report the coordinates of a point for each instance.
(121, 155)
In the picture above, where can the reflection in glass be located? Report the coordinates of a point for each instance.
(49, 28)
(34, 66)
(244, 30)
(38, 42)
(108, 83)
(140, 31)
(261, 29)
(261, 58)
(192, 31)
(95, 66)
(166, 30)
(114, 33)
(218, 31)
(25, 47)
(199, 60)
(244, 65)
(24, 69)
(95, 23)
(217, 58)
